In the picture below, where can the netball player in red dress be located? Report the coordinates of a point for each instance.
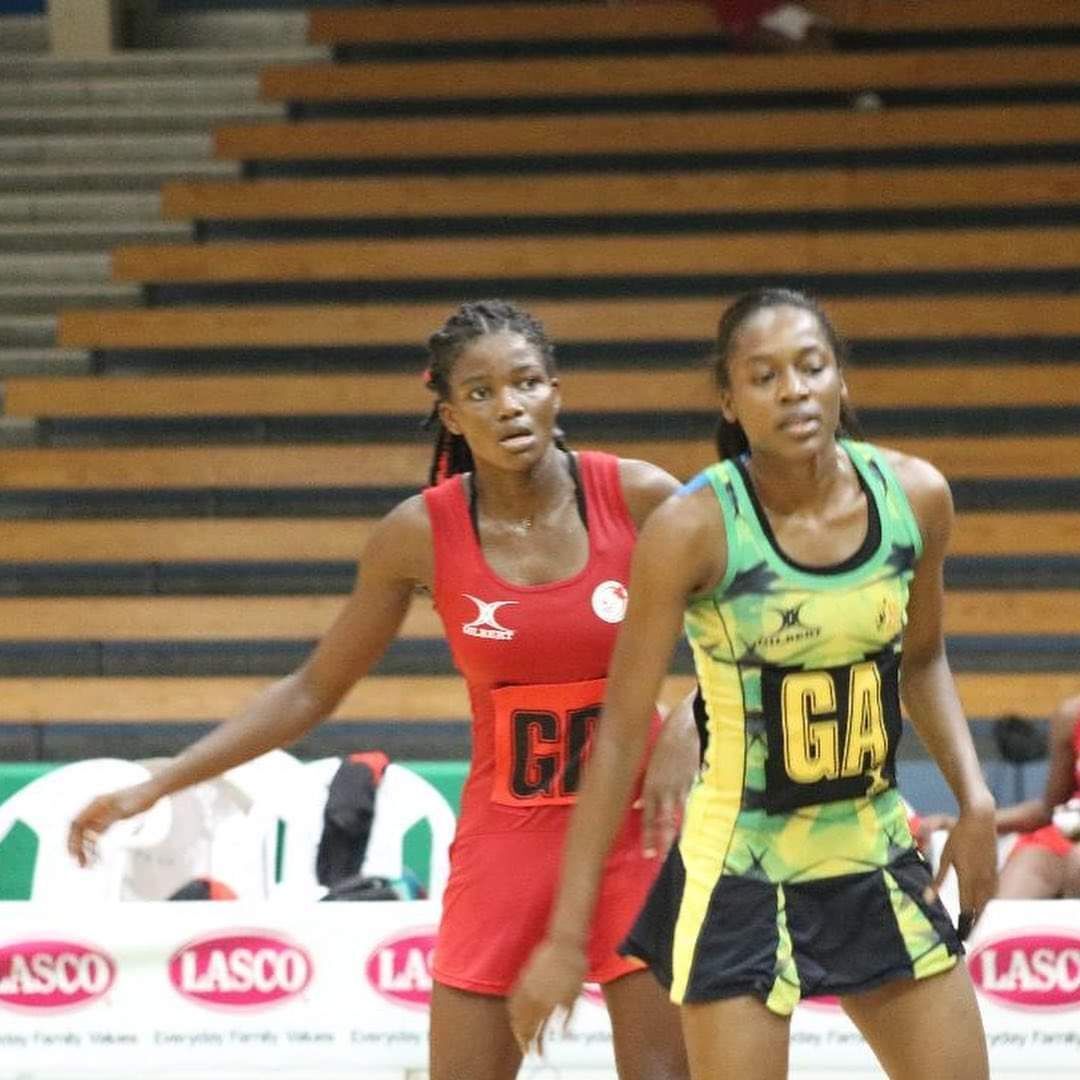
(1045, 862)
(525, 548)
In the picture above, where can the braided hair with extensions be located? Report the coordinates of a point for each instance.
(730, 437)
(471, 321)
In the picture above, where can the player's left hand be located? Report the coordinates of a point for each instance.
(550, 980)
(673, 766)
(971, 850)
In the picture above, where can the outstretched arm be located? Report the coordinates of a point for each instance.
(391, 566)
(929, 693)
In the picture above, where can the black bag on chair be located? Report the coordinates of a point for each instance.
(350, 808)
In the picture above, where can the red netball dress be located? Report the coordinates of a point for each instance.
(535, 658)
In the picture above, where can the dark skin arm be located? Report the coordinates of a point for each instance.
(673, 764)
(396, 559)
(673, 767)
(680, 552)
(1060, 777)
(929, 694)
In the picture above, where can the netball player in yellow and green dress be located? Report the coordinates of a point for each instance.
(806, 568)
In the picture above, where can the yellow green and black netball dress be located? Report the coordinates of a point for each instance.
(796, 874)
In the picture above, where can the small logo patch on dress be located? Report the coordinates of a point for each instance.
(486, 625)
(609, 600)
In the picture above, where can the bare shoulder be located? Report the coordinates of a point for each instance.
(401, 543)
(645, 486)
(687, 530)
(927, 491)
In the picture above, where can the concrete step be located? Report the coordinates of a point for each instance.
(81, 177)
(27, 331)
(139, 90)
(237, 30)
(42, 298)
(89, 236)
(23, 34)
(72, 269)
(130, 63)
(27, 149)
(152, 119)
(45, 361)
(93, 206)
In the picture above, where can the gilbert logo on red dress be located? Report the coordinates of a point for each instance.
(240, 970)
(486, 625)
(399, 968)
(1030, 969)
(51, 975)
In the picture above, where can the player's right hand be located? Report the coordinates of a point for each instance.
(104, 811)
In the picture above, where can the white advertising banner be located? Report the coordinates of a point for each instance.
(216, 988)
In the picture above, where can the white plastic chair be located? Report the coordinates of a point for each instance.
(211, 835)
(47, 806)
(282, 790)
(404, 798)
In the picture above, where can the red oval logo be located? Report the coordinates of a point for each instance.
(241, 970)
(53, 974)
(1036, 969)
(399, 968)
(822, 1001)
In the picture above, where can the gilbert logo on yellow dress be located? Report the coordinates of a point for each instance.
(791, 630)
(486, 625)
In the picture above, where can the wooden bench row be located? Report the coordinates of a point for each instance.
(892, 386)
(396, 464)
(688, 320)
(177, 700)
(610, 77)
(785, 131)
(585, 256)
(975, 533)
(554, 22)
(216, 618)
(607, 194)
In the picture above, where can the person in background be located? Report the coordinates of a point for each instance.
(1045, 861)
(769, 26)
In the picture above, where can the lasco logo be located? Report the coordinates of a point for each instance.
(53, 974)
(400, 967)
(1037, 969)
(486, 625)
(240, 970)
(609, 600)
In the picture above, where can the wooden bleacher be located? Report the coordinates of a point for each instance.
(609, 194)
(514, 259)
(697, 75)
(489, 22)
(690, 320)
(192, 501)
(661, 134)
(681, 390)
